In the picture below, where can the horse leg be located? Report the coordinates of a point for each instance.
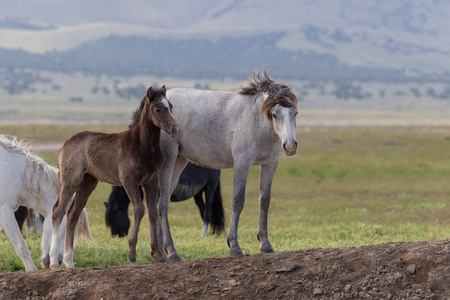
(201, 207)
(209, 197)
(132, 189)
(151, 198)
(59, 210)
(82, 194)
(12, 231)
(46, 240)
(168, 181)
(240, 174)
(265, 185)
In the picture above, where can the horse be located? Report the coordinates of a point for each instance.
(26, 180)
(34, 223)
(129, 159)
(21, 214)
(194, 181)
(252, 126)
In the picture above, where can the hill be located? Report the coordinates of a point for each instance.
(370, 40)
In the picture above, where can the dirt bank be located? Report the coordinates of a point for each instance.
(419, 270)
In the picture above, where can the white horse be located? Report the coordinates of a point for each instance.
(252, 126)
(25, 179)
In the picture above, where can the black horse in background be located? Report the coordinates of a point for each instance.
(24, 214)
(194, 180)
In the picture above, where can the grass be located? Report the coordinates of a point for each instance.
(346, 186)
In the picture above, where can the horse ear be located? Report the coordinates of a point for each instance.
(163, 90)
(150, 93)
(106, 204)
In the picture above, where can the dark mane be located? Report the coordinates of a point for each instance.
(137, 113)
(277, 93)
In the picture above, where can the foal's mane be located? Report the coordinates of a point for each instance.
(137, 113)
(38, 169)
(277, 93)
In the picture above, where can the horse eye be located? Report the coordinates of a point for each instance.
(158, 110)
(274, 116)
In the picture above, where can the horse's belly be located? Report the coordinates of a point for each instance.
(184, 192)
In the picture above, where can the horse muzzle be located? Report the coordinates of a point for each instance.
(290, 148)
(174, 130)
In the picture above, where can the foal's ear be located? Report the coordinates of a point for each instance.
(150, 93)
(163, 90)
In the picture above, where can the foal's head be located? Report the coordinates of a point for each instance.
(159, 110)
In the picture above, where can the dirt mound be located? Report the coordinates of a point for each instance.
(418, 270)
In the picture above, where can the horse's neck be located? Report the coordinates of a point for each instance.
(148, 135)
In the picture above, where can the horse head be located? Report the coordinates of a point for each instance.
(161, 110)
(279, 104)
(283, 119)
(117, 219)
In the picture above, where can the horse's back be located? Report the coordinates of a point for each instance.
(207, 120)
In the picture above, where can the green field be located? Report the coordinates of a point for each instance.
(347, 186)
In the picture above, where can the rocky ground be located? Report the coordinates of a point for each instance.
(419, 270)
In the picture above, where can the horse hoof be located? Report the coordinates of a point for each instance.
(46, 261)
(267, 250)
(236, 253)
(60, 259)
(54, 267)
(162, 259)
(132, 258)
(174, 257)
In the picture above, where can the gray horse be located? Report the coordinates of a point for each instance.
(229, 130)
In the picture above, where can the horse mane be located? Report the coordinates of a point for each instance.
(135, 117)
(277, 93)
(36, 167)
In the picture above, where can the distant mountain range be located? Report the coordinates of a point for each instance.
(377, 40)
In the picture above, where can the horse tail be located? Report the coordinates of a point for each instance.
(82, 228)
(218, 213)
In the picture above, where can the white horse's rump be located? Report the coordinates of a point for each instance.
(26, 180)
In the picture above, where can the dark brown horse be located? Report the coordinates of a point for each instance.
(129, 159)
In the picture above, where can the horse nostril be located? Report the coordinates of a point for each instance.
(296, 144)
(175, 128)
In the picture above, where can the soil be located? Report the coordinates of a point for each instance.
(419, 270)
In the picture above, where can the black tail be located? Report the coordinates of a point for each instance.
(218, 213)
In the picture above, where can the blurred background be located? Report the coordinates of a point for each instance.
(349, 62)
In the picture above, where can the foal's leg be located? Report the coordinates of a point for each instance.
(132, 189)
(265, 185)
(82, 194)
(12, 231)
(240, 174)
(151, 198)
(168, 181)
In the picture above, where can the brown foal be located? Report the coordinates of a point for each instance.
(129, 159)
